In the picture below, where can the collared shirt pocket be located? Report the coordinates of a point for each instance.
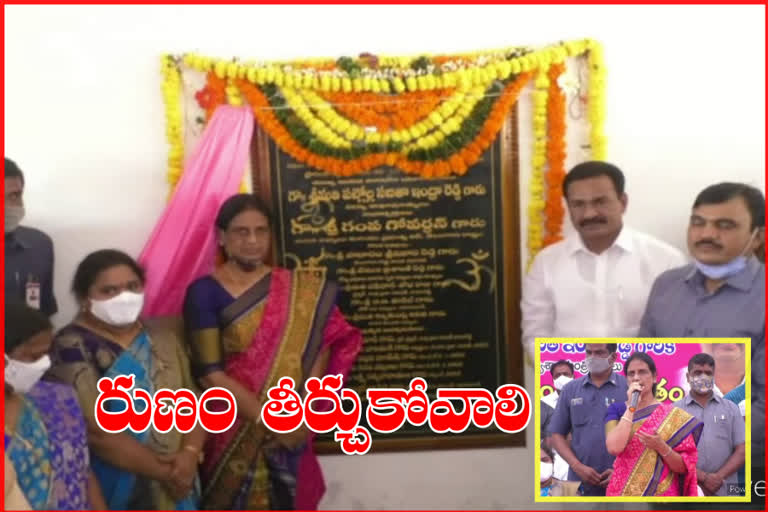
(579, 415)
(722, 429)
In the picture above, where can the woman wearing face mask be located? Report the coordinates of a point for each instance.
(249, 325)
(148, 470)
(45, 433)
(545, 471)
(643, 432)
(549, 484)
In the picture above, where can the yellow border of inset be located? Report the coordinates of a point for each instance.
(634, 499)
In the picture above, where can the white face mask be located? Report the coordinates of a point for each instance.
(546, 471)
(23, 376)
(561, 381)
(120, 310)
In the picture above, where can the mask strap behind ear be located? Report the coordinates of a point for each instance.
(751, 239)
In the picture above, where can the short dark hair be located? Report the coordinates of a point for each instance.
(642, 356)
(703, 359)
(610, 347)
(238, 204)
(12, 170)
(21, 323)
(561, 362)
(97, 262)
(722, 192)
(593, 169)
(548, 451)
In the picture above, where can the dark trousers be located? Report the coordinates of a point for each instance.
(591, 490)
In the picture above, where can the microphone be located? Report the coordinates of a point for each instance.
(633, 401)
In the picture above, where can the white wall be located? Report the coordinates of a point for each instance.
(84, 119)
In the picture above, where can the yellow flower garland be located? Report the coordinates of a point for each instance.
(173, 125)
(328, 123)
(536, 201)
(470, 74)
(462, 71)
(425, 134)
(596, 100)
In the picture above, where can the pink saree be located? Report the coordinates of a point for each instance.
(276, 329)
(639, 471)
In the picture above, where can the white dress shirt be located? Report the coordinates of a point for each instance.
(573, 292)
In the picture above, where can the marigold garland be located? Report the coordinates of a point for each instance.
(173, 125)
(287, 133)
(427, 115)
(536, 200)
(212, 95)
(385, 113)
(596, 100)
(556, 105)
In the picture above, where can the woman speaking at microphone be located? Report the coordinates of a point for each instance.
(654, 443)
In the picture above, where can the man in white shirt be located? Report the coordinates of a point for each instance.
(596, 282)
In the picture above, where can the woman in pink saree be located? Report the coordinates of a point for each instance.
(655, 445)
(249, 325)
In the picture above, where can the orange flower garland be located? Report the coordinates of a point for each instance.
(555, 157)
(212, 95)
(400, 113)
(427, 115)
(458, 163)
(471, 153)
(266, 117)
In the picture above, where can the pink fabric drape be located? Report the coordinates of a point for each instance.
(182, 245)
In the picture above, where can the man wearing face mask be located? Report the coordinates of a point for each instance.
(595, 283)
(722, 294)
(562, 374)
(721, 447)
(581, 412)
(28, 251)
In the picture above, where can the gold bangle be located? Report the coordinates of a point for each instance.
(668, 452)
(624, 418)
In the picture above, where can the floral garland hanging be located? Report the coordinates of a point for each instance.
(596, 100)
(536, 200)
(554, 211)
(173, 125)
(311, 132)
(432, 116)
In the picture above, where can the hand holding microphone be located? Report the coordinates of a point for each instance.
(633, 394)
